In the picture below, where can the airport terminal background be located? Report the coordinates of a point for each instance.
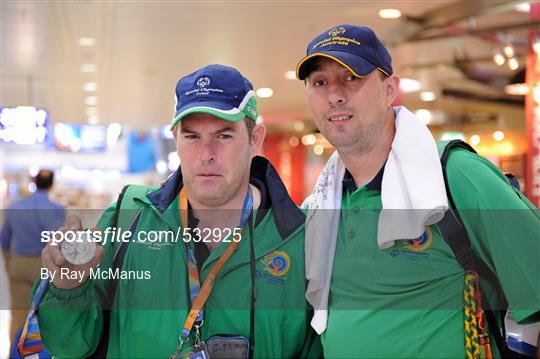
(87, 87)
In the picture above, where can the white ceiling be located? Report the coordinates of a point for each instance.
(144, 47)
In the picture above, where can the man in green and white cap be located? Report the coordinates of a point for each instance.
(253, 305)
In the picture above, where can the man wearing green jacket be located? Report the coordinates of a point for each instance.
(231, 212)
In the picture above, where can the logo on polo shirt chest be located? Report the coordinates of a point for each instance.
(414, 249)
(420, 244)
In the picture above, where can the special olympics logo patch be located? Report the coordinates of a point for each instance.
(336, 32)
(203, 82)
(420, 244)
(277, 263)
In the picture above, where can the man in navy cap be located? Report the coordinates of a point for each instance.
(393, 257)
(232, 286)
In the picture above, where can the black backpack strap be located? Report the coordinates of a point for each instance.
(444, 159)
(455, 235)
(513, 181)
(118, 205)
(112, 284)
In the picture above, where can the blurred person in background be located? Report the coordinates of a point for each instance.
(401, 230)
(21, 243)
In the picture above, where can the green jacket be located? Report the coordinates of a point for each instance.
(148, 313)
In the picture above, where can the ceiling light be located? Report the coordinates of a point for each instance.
(516, 89)
(318, 149)
(390, 13)
(298, 126)
(90, 111)
(309, 139)
(90, 68)
(498, 135)
(409, 85)
(536, 45)
(475, 139)
(290, 75)
(91, 100)
(498, 58)
(523, 7)
(509, 50)
(87, 41)
(424, 115)
(90, 86)
(265, 92)
(93, 119)
(294, 141)
(513, 63)
(427, 96)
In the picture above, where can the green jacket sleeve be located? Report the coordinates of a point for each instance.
(504, 229)
(71, 321)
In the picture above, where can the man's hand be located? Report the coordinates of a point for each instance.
(53, 259)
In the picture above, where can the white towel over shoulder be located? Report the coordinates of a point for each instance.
(413, 196)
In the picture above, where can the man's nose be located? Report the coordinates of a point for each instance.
(208, 152)
(336, 94)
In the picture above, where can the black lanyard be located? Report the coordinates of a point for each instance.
(253, 289)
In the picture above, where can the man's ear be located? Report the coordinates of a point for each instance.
(175, 131)
(391, 88)
(257, 138)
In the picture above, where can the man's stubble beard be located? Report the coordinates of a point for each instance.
(362, 141)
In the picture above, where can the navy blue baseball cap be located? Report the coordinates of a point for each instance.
(355, 47)
(217, 90)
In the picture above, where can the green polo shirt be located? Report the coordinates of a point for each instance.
(407, 300)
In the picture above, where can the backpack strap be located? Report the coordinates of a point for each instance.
(513, 181)
(114, 222)
(454, 231)
(455, 235)
(445, 147)
(126, 200)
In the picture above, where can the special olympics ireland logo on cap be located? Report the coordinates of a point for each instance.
(336, 31)
(203, 82)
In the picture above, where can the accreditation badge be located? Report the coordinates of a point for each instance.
(228, 347)
(195, 352)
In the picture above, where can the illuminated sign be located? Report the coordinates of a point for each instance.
(23, 125)
(80, 138)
